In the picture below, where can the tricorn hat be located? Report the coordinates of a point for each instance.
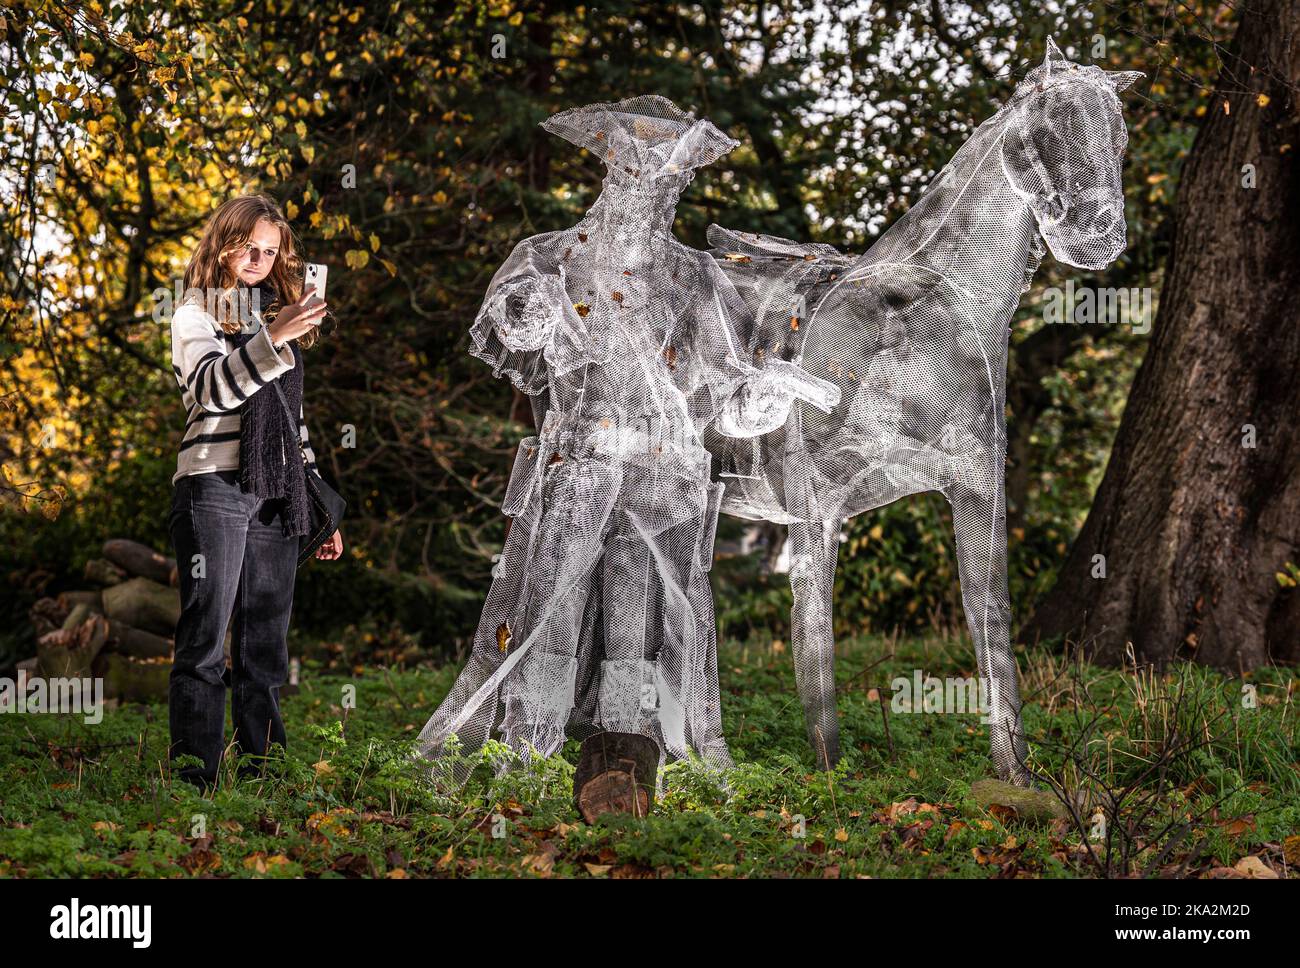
(647, 136)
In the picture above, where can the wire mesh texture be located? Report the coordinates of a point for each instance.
(600, 613)
(914, 334)
(824, 386)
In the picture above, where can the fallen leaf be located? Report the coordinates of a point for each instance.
(256, 862)
(1221, 873)
(903, 809)
(541, 863)
(1238, 826)
(1252, 866)
(1004, 814)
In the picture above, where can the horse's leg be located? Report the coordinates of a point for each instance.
(814, 552)
(979, 519)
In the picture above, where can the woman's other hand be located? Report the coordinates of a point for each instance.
(332, 548)
(297, 318)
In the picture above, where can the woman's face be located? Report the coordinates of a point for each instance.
(253, 263)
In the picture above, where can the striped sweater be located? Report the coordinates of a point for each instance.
(215, 382)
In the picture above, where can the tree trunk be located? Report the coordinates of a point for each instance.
(138, 643)
(137, 559)
(133, 680)
(71, 650)
(101, 571)
(144, 604)
(1192, 521)
(616, 773)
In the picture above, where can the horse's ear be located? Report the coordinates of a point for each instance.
(1122, 79)
(1054, 58)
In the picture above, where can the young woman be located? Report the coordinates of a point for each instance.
(238, 497)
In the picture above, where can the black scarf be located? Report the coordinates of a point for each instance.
(270, 461)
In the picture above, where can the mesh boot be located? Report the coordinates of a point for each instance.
(538, 700)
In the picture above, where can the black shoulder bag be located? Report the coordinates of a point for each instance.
(325, 505)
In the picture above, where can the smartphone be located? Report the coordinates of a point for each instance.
(315, 277)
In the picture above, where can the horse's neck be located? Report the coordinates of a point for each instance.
(970, 242)
(978, 234)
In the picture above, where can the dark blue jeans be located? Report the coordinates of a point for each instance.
(246, 576)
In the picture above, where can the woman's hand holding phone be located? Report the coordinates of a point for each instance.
(297, 318)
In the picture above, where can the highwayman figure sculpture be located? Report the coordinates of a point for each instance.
(638, 343)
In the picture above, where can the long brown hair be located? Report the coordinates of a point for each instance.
(225, 233)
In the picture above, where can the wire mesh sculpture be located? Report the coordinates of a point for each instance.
(915, 333)
(600, 614)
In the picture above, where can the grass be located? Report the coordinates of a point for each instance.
(93, 801)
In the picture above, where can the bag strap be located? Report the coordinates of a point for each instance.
(293, 421)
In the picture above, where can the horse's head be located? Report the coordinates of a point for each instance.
(1063, 151)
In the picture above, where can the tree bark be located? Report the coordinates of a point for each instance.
(144, 604)
(138, 643)
(1193, 523)
(137, 559)
(615, 774)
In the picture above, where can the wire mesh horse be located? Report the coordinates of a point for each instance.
(915, 334)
